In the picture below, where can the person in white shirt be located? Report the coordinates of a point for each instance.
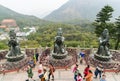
(40, 72)
(99, 70)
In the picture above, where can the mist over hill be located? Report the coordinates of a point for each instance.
(79, 10)
(22, 20)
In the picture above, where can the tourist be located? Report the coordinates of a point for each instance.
(82, 55)
(37, 55)
(34, 59)
(98, 70)
(79, 77)
(30, 73)
(75, 68)
(103, 78)
(45, 74)
(31, 63)
(51, 71)
(40, 72)
(76, 74)
(86, 70)
(75, 71)
(89, 76)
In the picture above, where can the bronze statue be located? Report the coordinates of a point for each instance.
(59, 42)
(104, 43)
(13, 44)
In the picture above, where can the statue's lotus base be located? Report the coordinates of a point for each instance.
(61, 63)
(14, 58)
(59, 56)
(102, 58)
(13, 66)
(106, 64)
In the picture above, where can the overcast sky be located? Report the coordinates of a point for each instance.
(33, 7)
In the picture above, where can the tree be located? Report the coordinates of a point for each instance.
(102, 19)
(117, 32)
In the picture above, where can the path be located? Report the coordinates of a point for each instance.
(60, 75)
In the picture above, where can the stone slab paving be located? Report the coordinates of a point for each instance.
(60, 75)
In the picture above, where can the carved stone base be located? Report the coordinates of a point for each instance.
(12, 66)
(102, 58)
(106, 64)
(59, 56)
(66, 62)
(14, 58)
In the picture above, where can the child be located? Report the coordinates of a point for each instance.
(79, 77)
(103, 78)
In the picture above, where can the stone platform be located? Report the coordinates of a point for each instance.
(60, 75)
(66, 62)
(113, 62)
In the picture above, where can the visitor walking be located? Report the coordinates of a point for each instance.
(89, 76)
(98, 71)
(40, 72)
(30, 73)
(86, 71)
(51, 71)
(79, 77)
(103, 78)
(37, 55)
(81, 56)
(75, 71)
(76, 74)
(34, 59)
(31, 63)
(45, 74)
(74, 68)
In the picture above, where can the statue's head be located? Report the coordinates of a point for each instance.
(59, 33)
(12, 34)
(105, 32)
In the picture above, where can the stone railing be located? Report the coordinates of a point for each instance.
(31, 51)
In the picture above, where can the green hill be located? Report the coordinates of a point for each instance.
(81, 10)
(22, 20)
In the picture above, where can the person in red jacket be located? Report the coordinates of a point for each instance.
(86, 70)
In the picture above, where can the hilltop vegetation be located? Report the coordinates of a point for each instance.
(74, 35)
(22, 20)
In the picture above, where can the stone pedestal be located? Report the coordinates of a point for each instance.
(59, 56)
(14, 58)
(61, 63)
(108, 62)
(60, 60)
(102, 58)
(9, 66)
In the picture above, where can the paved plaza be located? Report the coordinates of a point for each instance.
(60, 75)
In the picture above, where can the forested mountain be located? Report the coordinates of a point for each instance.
(81, 10)
(22, 20)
